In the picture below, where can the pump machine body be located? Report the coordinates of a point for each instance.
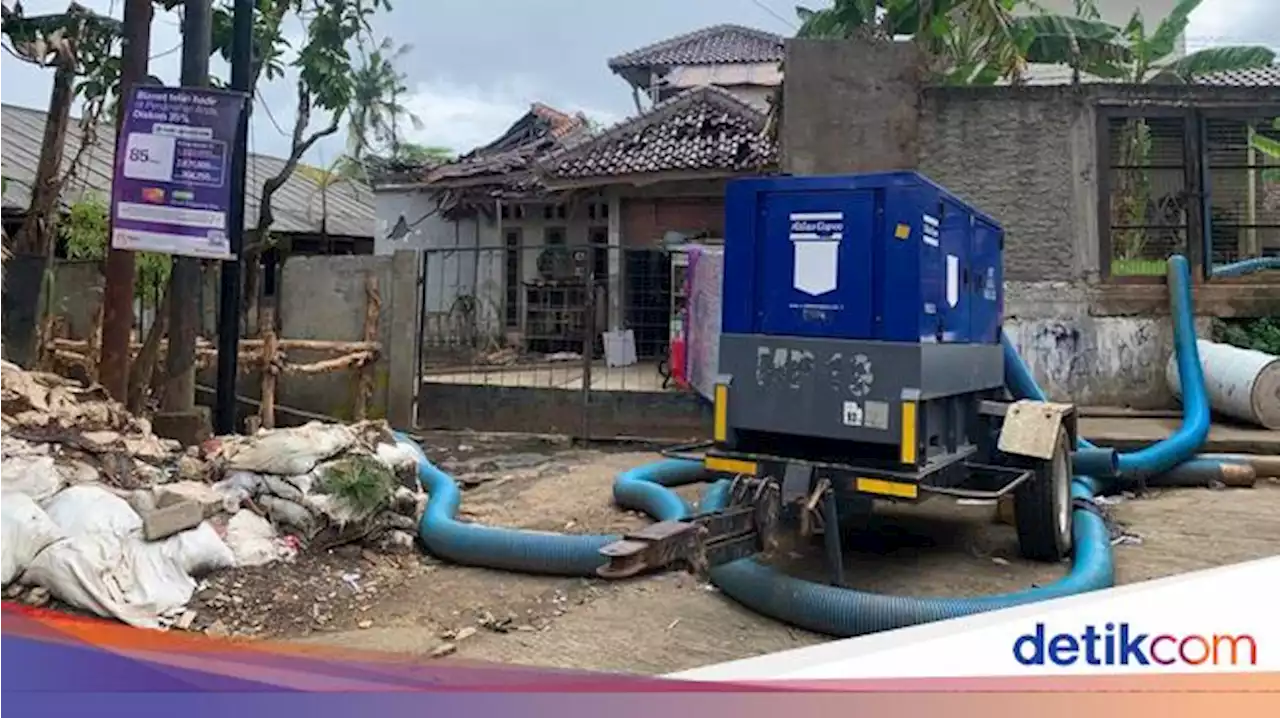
(861, 360)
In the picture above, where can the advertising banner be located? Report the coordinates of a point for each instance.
(171, 190)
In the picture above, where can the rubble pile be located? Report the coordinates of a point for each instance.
(105, 516)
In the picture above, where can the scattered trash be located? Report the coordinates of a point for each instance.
(254, 541)
(444, 649)
(1127, 539)
(352, 580)
(999, 561)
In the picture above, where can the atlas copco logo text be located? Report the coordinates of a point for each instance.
(1119, 644)
(820, 226)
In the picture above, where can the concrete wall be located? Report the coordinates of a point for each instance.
(324, 298)
(850, 106)
(77, 293)
(319, 298)
(1028, 159)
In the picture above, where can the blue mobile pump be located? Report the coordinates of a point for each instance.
(861, 361)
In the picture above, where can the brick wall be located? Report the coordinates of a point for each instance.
(646, 220)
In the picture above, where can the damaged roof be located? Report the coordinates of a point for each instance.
(705, 129)
(507, 159)
(719, 44)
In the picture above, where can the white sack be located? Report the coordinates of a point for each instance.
(33, 475)
(91, 510)
(288, 452)
(143, 584)
(27, 530)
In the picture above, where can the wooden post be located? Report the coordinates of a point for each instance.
(365, 374)
(270, 367)
(95, 344)
(117, 322)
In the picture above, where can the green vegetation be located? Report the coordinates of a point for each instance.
(363, 482)
(1262, 334)
(85, 228)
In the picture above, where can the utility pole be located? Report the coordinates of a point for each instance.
(38, 234)
(117, 294)
(184, 283)
(229, 286)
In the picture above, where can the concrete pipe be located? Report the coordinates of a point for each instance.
(1241, 383)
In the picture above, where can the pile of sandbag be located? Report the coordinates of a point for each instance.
(106, 517)
(324, 484)
(85, 547)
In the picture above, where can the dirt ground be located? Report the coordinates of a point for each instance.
(414, 604)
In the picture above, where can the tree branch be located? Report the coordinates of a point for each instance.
(301, 144)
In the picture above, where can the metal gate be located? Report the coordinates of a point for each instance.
(1243, 184)
(516, 337)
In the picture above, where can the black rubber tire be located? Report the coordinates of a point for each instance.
(1042, 519)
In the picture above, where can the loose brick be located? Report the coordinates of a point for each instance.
(171, 519)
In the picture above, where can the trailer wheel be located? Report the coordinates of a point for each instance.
(1042, 506)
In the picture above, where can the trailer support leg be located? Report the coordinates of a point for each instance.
(831, 538)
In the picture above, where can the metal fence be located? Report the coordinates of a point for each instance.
(1192, 181)
(1149, 187)
(1243, 185)
(556, 338)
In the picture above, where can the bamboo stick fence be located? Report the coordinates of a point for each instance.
(268, 354)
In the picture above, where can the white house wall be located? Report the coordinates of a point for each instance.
(467, 258)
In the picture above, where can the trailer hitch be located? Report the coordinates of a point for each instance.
(699, 542)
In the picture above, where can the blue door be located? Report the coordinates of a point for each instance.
(814, 268)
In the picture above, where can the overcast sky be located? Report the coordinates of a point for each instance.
(475, 65)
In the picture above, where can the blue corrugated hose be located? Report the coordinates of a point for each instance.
(641, 489)
(1247, 266)
(819, 607)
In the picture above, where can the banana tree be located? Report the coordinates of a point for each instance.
(1269, 148)
(1150, 51)
(970, 42)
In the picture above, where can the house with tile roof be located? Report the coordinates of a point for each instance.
(493, 223)
(744, 60)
